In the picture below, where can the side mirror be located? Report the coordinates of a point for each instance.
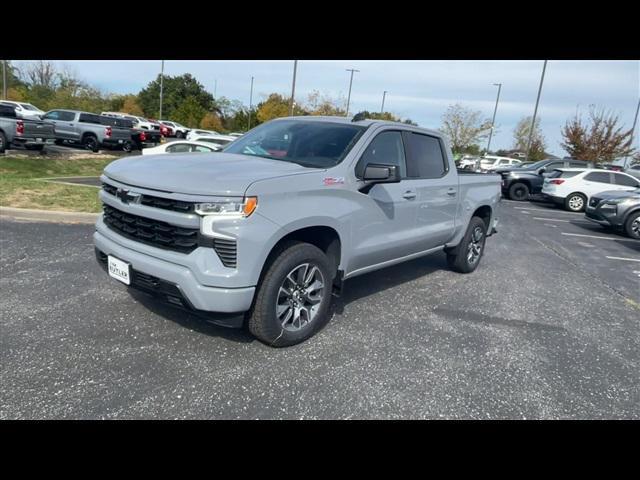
(541, 170)
(381, 173)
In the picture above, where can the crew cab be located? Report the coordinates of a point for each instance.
(87, 129)
(276, 222)
(30, 134)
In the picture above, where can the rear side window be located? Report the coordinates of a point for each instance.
(90, 118)
(562, 173)
(181, 147)
(624, 180)
(387, 148)
(65, 116)
(600, 177)
(425, 158)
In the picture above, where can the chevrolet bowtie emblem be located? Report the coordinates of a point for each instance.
(126, 196)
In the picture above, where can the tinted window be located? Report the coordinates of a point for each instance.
(563, 174)
(424, 156)
(199, 148)
(624, 180)
(54, 115)
(601, 177)
(66, 116)
(181, 147)
(387, 148)
(90, 118)
(578, 164)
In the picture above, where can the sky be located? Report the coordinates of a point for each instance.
(420, 90)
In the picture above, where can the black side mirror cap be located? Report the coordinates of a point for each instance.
(381, 173)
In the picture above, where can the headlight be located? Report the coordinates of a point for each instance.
(615, 201)
(242, 208)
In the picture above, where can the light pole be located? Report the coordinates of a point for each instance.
(4, 79)
(250, 104)
(633, 130)
(161, 87)
(535, 111)
(293, 86)
(384, 94)
(352, 70)
(493, 121)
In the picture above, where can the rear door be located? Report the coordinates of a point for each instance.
(436, 184)
(625, 182)
(596, 182)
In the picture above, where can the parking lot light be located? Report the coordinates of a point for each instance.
(250, 104)
(384, 94)
(493, 120)
(4, 79)
(161, 85)
(352, 70)
(535, 110)
(293, 86)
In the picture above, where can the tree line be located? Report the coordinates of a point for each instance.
(598, 137)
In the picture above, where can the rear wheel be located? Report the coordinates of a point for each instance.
(466, 257)
(90, 142)
(179, 135)
(292, 300)
(3, 142)
(519, 192)
(575, 202)
(127, 146)
(632, 225)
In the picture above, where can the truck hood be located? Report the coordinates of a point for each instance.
(224, 174)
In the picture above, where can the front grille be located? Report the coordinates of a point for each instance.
(150, 231)
(227, 251)
(156, 202)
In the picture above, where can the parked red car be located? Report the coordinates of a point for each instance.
(165, 131)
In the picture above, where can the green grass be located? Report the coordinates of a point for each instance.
(21, 185)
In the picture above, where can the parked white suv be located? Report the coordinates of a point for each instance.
(491, 162)
(221, 140)
(24, 110)
(179, 131)
(573, 187)
(193, 134)
(139, 122)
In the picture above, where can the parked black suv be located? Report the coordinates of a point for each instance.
(519, 183)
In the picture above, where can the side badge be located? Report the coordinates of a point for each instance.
(333, 181)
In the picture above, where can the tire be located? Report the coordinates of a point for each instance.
(462, 259)
(282, 331)
(179, 135)
(575, 202)
(58, 142)
(90, 142)
(127, 147)
(519, 192)
(632, 225)
(3, 142)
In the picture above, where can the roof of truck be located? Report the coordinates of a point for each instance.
(364, 123)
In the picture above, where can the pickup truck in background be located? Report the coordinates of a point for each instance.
(87, 129)
(30, 134)
(274, 223)
(140, 138)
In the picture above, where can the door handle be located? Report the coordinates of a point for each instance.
(451, 191)
(409, 195)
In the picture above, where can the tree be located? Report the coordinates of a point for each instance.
(598, 139)
(176, 90)
(130, 105)
(13, 81)
(211, 121)
(318, 104)
(189, 113)
(274, 106)
(521, 139)
(464, 127)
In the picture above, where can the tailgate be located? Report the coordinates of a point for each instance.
(120, 133)
(38, 129)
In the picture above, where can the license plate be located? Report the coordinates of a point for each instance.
(119, 270)
(119, 141)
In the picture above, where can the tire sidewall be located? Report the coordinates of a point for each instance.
(461, 261)
(3, 142)
(127, 147)
(286, 261)
(91, 143)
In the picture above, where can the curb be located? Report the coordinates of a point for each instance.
(48, 215)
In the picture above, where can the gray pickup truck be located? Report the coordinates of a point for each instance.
(30, 134)
(87, 129)
(277, 221)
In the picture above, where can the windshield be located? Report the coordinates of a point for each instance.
(28, 106)
(307, 143)
(536, 165)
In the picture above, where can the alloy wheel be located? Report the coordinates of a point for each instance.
(474, 250)
(300, 297)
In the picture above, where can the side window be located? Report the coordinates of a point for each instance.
(624, 180)
(386, 148)
(66, 116)
(553, 166)
(54, 115)
(199, 148)
(179, 148)
(425, 158)
(600, 177)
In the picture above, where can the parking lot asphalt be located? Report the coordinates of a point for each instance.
(547, 327)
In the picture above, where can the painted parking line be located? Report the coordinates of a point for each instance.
(624, 259)
(601, 238)
(549, 210)
(586, 222)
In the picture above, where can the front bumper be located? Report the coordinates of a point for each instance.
(607, 216)
(198, 296)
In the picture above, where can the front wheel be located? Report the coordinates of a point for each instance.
(3, 142)
(575, 202)
(91, 143)
(127, 147)
(292, 300)
(466, 257)
(632, 225)
(179, 135)
(519, 192)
